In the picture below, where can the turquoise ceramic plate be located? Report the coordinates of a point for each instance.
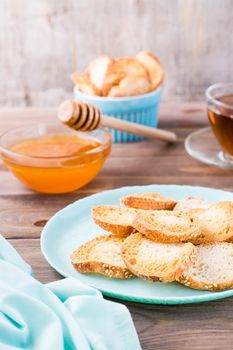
(72, 226)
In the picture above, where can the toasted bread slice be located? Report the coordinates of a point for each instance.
(167, 226)
(114, 219)
(153, 66)
(192, 203)
(101, 255)
(122, 68)
(216, 222)
(131, 86)
(97, 71)
(112, 80)
(157, 261)
(85, 85)
(130, 66)
(151, 201)
(213, 269)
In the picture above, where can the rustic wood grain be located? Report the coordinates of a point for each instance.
(42, 42)
(207, 326)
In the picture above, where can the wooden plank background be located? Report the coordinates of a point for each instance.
(41, 42)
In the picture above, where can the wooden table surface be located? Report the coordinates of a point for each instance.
(23, 214)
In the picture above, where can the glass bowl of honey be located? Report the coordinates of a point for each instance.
(53, 158)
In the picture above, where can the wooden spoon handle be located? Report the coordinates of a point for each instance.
(138, 129)
(85, 117)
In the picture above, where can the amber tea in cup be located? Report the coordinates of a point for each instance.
(220, 113)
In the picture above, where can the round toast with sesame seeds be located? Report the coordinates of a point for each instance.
(157, 261)
(148, 201)
(115, 219)
(101, 255)
(168, 226)
(216, 222)
(213, 269)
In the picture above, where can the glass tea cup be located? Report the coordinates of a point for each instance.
(220, 113)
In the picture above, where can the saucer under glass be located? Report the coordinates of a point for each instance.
(202, 145)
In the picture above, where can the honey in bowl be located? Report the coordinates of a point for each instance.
(51, 161)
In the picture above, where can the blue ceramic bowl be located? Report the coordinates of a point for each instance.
(142, 109)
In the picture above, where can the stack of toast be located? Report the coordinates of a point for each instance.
(161, 239)
(121, 77)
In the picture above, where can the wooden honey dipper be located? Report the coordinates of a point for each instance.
(85, 117)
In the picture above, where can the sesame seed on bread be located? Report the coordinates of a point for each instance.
(167, 226)
(216, 222)
(101, 255)
(213, 269)
(157, 261)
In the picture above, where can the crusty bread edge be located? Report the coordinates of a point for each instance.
(188, 281)
(184, 265)
(115, 229)
(147, 204)
(102, 268)
(158, 236)
(97, 266)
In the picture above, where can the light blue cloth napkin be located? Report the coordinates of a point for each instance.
(63, 315)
